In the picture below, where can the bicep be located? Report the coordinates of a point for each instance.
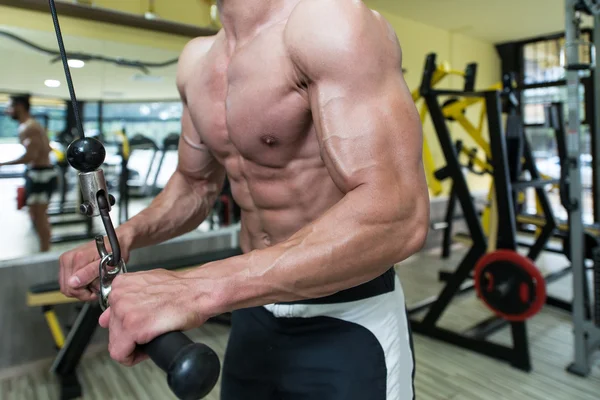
(372, 135)
(195, 159)
(367, 124)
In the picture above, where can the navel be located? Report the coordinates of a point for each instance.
(267, 240)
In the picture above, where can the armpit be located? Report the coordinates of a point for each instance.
(197, 144)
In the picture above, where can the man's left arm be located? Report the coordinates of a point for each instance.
(370, 137)
(32, 148)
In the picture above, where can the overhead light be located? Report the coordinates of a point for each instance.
(145, 110)
(74, 63)
(146, 78)
(163, 115)
(52, 83)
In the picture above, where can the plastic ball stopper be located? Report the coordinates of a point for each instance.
(86, 154)
(193, 374)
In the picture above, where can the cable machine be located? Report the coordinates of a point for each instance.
(508, 283)
(586, 327)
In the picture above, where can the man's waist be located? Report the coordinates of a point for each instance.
(378, 286)
(40, 168)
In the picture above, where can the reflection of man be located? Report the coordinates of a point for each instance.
(303, 105)
(40, 177)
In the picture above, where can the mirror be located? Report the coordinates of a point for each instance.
(128, 99)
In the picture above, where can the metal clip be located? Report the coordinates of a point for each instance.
(107, 273)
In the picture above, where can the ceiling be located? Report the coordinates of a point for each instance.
(24, 70)
(494, 21)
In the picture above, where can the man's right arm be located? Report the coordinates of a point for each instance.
(185, 202)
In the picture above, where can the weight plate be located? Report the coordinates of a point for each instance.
(510, 285)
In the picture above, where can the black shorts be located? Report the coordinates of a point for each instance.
(359, 348)
(40, 184)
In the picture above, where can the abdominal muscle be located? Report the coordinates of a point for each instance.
(276, 203)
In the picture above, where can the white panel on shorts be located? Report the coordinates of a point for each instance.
(383, 315)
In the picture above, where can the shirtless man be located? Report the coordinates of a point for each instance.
(302, 104)
(40, 177)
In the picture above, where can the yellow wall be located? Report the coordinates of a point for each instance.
(192, 12)
(77, 27)
(418, 40)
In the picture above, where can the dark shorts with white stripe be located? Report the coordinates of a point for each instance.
(353, 345)
(40, 184)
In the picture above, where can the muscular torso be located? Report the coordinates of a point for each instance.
(251, 111)
(34, 137)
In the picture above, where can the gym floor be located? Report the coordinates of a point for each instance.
(443, 371)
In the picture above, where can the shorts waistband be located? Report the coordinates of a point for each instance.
(49, 168)
(382, 284)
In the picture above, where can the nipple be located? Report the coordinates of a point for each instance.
(269, 140)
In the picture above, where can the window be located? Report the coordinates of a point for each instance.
(534, 101)
(51, 117)
(542, 60)
(155, 120)
(91, 111)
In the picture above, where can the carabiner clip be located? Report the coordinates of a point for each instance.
(106, 272)
(106, 278)
(103, 205)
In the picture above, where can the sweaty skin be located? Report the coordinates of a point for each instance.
(303, 105)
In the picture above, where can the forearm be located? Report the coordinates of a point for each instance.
(179, 208)
(24, 159)
(353, 243)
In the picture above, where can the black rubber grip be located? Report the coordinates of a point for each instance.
(192, 368)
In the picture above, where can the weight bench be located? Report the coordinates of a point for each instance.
(72, 345)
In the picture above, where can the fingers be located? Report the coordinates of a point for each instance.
(84, 276)
(121, 347)
(78, 269)
(105, 319)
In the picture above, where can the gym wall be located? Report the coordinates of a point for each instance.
(458, 49)
(192, 12)
(90, 29)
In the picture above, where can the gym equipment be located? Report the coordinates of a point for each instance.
(124, 152)
(192, 369)
(140, 187)
(520, 161)
(453, 110)
(518, 353)
(170, 143)
(72, 345)
(32, 337)
(125, 184)
(510, 285)
(586, 331)
(67, 212)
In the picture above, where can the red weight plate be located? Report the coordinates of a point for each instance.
(528, 266)
(524, 292)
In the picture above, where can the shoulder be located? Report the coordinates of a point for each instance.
(33, 130)
(192, 56)
(337, 32)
